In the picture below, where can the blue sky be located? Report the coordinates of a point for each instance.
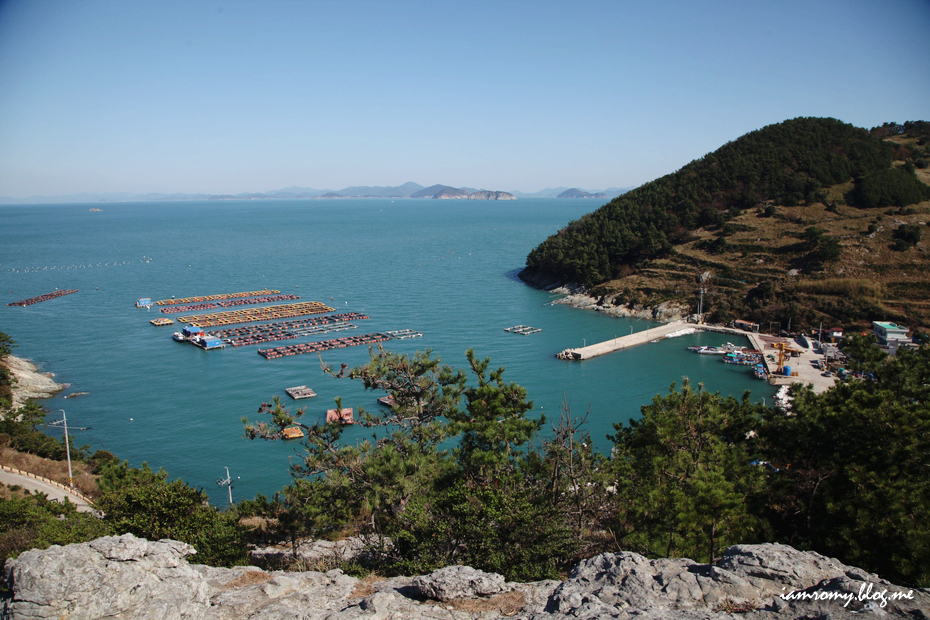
(235, 96)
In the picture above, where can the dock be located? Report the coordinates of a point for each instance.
(803, 369)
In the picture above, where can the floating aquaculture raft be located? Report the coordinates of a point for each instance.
(324, 345)
(251, 301)
(251, 315)
(46, 297)
(284, 330)
(194, 300)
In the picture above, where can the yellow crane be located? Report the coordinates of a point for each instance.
(784, 350)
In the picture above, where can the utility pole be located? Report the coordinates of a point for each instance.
(227, 482)
(64, 419)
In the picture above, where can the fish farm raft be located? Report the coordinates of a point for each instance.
(324, 345)
(46, 297)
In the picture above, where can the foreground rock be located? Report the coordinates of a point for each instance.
(128, 577)
(30, 383)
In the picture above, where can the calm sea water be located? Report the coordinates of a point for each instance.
(444, 268)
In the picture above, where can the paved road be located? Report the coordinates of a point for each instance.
(53, 492)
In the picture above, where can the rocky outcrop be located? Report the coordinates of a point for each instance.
(665, 312)
(486, 195)
(452, 582)
(30, 383)
(128, 577)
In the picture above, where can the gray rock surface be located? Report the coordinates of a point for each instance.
(666, 311)
(452, 582)
(127, 577)
(114, 576)
(30, 383)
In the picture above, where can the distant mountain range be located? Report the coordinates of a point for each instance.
(407, 190)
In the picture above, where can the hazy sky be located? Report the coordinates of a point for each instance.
(233, 96)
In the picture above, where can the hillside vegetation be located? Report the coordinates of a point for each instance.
(808, 220)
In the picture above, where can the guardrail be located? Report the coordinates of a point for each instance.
(54, 483)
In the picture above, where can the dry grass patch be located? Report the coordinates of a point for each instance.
(248, 578)
(853, 287)
(84, 481)
(366, 586)
(507, 604)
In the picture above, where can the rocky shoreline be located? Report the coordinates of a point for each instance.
(30, 383)
(665, 312)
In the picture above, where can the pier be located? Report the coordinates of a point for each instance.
(623, 342)
(631, 340)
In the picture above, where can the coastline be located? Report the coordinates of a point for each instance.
(30, 383)
(665, 312)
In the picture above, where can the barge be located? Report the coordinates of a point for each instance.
(299, 392)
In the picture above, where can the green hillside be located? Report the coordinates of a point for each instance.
(811, 219)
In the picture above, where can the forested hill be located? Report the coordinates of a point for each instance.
(796, 171)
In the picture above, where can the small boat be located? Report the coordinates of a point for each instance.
(179, 337)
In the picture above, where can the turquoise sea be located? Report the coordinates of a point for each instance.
(444, 268)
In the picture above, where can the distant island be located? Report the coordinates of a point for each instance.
(577, 193)
(407, 190)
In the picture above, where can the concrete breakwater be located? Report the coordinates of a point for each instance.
(631, 340)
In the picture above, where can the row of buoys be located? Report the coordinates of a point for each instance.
(323, 345)
(193, 300)
(251, 315)
(284, 326)
(144, 259)
(46, 297)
